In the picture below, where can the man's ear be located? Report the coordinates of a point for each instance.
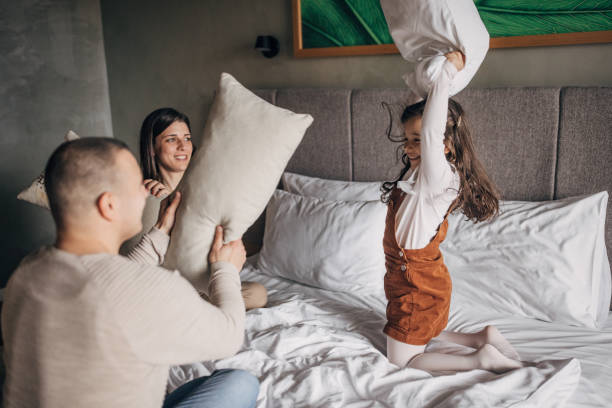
(107, 206)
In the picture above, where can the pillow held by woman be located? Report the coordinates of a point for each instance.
(246, 145)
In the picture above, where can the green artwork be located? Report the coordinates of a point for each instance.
(339, 23)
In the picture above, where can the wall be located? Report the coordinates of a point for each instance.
(54, 78)
(160, 55)
(53, 74)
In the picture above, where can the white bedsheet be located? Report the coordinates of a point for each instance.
(316, 348)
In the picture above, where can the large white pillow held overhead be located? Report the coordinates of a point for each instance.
(244, 149)
(425, 30)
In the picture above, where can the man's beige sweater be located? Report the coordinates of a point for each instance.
(101, 330)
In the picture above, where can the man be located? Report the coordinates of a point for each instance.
(86, 327)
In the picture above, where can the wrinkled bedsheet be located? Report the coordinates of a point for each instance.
(316, 348)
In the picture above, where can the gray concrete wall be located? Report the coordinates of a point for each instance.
(171, 54)
(52, 79)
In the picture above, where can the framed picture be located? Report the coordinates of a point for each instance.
(323, 28)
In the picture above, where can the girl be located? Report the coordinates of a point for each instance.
(441, 174)
(165, 153)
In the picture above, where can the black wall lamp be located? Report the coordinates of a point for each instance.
(267, 44)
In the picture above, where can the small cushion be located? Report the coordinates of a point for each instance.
(425, 30)
(246, 145)
(36, 193)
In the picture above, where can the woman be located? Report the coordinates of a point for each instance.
(165, 152)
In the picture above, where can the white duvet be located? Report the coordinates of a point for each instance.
(317, 348)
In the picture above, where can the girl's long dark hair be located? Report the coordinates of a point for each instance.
(153, 125)
(478, 197)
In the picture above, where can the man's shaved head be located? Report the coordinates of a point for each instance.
(78, 172)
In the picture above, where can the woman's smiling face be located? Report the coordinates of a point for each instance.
(173, 147)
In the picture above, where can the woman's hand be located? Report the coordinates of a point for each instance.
(167, 212)
(232, 252)
(156, 188)
(457, 58)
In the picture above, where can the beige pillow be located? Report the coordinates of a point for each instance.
(245, 147)
(36, 193)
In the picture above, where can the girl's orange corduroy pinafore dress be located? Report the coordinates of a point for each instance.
(417, 284)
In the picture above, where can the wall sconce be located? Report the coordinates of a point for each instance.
(267, 44)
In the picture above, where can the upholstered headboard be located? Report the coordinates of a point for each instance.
(536, 143)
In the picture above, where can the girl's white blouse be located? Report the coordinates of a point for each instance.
(432, 186)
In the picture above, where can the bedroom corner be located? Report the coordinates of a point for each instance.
(54, 79)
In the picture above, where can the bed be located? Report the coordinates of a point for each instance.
(319, 342)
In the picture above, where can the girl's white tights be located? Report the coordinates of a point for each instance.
(493, 353)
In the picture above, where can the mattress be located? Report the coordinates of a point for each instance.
(318, 348)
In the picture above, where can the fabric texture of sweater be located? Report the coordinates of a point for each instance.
(101, 330)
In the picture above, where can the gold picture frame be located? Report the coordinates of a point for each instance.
(573, 38)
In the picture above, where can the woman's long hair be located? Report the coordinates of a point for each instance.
(154, 125)
(478, 197)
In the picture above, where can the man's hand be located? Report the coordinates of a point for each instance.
(457, 59)
(232, 252)
(167, 212)
(156, 188)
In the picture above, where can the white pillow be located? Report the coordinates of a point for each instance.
(332, 189)
(334, 245)
(476, 254)
(425, 30)
(245, 147)
(544, 260)
(36, 193)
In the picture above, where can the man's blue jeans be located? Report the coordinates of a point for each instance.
(223, 389)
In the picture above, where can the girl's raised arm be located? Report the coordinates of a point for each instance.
(433, 159)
